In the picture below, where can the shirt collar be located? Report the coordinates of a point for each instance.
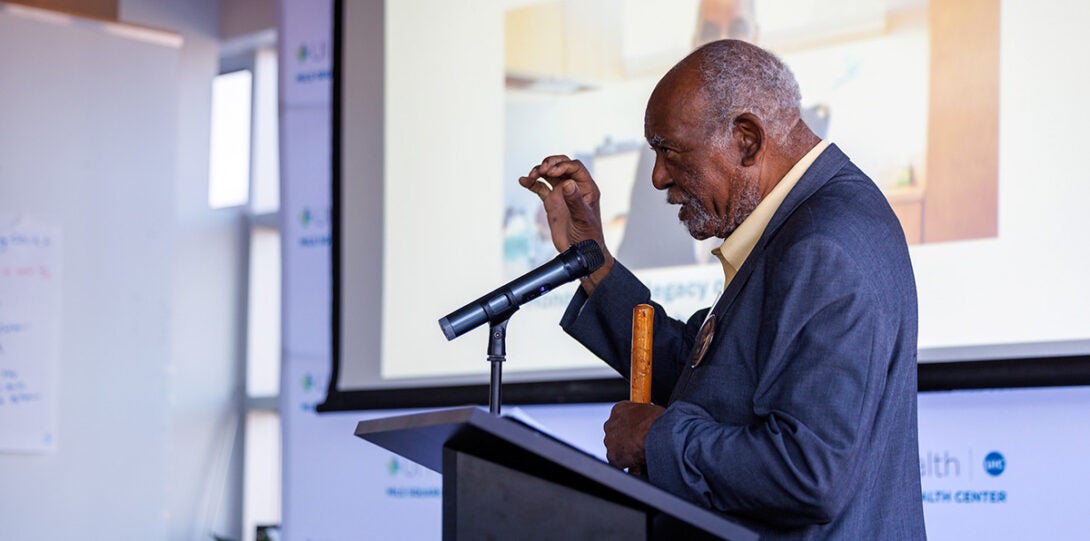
(737, 246)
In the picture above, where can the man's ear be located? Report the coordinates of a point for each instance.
(749, 133)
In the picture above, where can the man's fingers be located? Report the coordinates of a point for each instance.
(584, 217)
(539, 187)
(552, 161)
(558, 169)
(615, 437)
(539, 171)
(570, 200)
(573, 199)
(563, 169)
(626, 432)
(555, 200)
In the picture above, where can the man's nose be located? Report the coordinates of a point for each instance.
(660, 179)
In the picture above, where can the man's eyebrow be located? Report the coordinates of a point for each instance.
(656, 140)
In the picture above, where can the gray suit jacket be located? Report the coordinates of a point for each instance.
(801, 420)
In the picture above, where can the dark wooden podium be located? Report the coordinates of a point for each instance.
(505, 480)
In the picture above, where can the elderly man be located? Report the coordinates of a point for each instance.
(789, 404)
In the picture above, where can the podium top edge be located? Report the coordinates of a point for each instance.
(421, 419)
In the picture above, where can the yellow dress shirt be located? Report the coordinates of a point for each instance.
(737, 246)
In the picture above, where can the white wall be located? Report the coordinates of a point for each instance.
(205, 377)
(88, 147)
(150, 381)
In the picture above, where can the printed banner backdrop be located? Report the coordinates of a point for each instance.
(322, 468)
(338, 486)
(306, 53)
(1009, 464)
(307, 229)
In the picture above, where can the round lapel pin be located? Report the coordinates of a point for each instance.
(703, 341)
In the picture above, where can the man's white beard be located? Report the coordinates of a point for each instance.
(700, 220)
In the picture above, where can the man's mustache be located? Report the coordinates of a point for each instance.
(678, 198)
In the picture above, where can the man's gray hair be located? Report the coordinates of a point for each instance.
(741, 78)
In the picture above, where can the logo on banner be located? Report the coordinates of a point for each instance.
(994, 463)
(313, 60)
(312, 52)
(312, 392)
(321, 218)
(310, 220)
(947, 477)
(406, 469)
(410, 480)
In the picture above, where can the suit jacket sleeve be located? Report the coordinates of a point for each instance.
(817, 393)
(602, 322)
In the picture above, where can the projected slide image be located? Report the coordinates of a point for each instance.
(909, 89)
(912, 91)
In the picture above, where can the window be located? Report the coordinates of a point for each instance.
(229, 157)
(244, 172)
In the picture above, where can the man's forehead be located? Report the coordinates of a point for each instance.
(675, 107)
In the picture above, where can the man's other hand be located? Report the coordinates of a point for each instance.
(626, 432)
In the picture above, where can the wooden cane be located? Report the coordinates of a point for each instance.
(643, 326)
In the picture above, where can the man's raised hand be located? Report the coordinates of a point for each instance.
(570, 198)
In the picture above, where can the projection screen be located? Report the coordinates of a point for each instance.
(970, 119)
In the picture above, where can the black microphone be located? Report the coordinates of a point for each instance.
(577, 261)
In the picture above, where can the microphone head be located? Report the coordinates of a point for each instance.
(591, 254)
(448, 329)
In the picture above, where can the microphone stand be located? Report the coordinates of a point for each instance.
(497, 354)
